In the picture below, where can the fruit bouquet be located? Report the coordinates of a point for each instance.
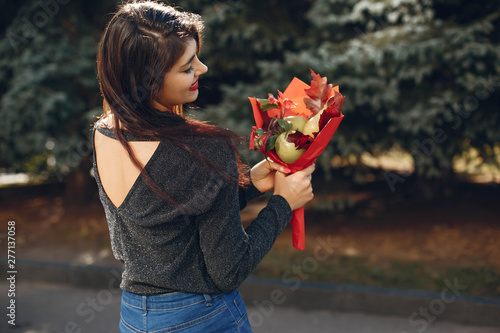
(294, 128)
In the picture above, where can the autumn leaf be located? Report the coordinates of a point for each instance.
(300, 140)
(317, 93)
(338, 101)
(333, 109)
(285, 104)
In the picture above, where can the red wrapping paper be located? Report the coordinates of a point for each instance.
(295, 92)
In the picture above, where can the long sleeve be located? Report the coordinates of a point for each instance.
(230, 252)
(248, 193)
(195, 243)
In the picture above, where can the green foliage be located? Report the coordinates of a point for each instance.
(420, 74)
(48, 84)
(423, 75)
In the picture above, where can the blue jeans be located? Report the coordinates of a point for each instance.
(183, 312)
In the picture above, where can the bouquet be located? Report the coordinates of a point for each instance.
(295, 127)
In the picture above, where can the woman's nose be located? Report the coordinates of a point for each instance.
(202, 68)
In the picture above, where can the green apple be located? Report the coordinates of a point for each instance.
(286, 150)
(298, 122)
(312, 125)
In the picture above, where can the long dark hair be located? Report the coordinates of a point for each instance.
(139, 46)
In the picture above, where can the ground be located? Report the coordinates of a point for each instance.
(416, 245)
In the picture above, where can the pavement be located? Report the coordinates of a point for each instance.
(55, 297)
(56, 308)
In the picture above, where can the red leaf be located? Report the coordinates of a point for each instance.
(252, 137)
(273, 99)
(300, 140)
(259, 142)
(318, 93)
(338, 101)
(323, 120)
(286, 105)
(333, 109)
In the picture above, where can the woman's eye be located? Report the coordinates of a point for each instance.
(189, 70)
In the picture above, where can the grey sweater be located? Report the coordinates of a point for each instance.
(201, 248)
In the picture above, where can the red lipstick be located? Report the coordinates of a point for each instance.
(194, 86)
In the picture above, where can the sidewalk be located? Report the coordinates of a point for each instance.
(54, 281)
(56, 308)
(50, 295)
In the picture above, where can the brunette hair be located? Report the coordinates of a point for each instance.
(140, 44)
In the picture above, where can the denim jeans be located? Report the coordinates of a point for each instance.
(183, 312)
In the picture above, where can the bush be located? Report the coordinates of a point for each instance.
(420, 75)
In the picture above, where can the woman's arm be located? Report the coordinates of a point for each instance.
(230, 252)
(248, 193)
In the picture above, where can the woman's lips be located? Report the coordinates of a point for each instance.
(194, 86)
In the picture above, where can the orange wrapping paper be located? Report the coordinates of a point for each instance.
(295, 92)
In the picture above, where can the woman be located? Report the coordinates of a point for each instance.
(172, 187)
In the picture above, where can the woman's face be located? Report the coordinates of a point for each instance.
(180, 84)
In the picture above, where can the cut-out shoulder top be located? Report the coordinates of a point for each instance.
(201, 247)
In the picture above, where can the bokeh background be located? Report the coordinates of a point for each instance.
(408, 187)
(420, 78)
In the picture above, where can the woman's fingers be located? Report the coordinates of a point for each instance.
(273, 166)
(309, 170)
(295, 188)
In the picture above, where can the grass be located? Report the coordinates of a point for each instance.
(282, 264)
(417, 246)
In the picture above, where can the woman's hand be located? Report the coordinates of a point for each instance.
(296, 189)
(262, 174)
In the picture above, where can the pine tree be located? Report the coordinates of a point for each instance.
(49, 87)
(420, 74)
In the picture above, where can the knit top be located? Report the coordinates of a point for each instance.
(199, 246)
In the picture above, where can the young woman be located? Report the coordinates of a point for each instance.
(172, 187)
